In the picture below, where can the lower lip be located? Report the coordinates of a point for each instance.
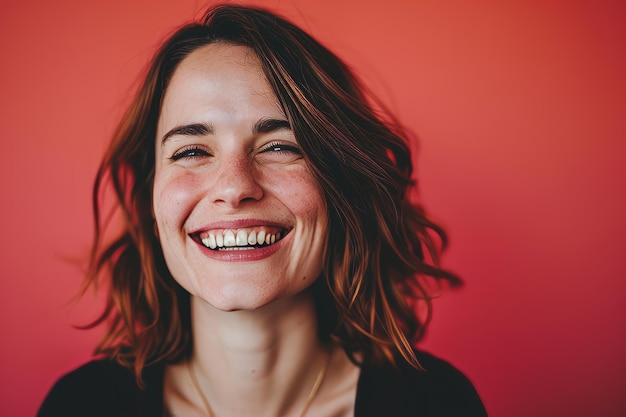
(242, 255)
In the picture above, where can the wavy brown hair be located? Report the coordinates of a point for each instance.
(381, 247)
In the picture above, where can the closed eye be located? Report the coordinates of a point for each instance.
(278, 147)
(190, 152)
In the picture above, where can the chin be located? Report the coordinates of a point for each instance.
(228, 307)
(239, 303)
(257, 302)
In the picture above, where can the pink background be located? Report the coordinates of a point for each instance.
(520, 109)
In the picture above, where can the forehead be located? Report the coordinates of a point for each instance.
(223, 63)
(218, 78)
(219, 56)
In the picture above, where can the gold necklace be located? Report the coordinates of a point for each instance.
(312, 394)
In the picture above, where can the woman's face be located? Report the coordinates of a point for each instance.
(241, 220)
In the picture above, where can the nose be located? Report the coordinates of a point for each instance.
(236, 181)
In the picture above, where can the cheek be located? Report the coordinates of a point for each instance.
(298, 190)
(174, 197)
(306, 201)
(310, 198)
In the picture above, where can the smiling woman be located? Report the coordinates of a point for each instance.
(240, 178)
(271, 261)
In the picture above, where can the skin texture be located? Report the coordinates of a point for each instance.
(233, 177)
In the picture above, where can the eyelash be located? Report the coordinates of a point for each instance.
(189, 152)
(281, 148)
(192, 152)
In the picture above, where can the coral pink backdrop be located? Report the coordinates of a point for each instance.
(520, 107)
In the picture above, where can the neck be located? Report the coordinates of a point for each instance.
(261, 362)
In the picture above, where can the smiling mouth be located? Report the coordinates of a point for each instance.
(240, 239)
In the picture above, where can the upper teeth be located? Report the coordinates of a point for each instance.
(242, 237)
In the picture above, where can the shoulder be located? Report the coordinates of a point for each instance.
(440, 390)
(98, 388)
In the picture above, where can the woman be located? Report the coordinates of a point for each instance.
(271, 262)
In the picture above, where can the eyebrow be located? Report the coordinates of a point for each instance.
(271, 125)
(194, 129)
(203, 129)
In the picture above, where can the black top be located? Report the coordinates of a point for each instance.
(103, 388)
